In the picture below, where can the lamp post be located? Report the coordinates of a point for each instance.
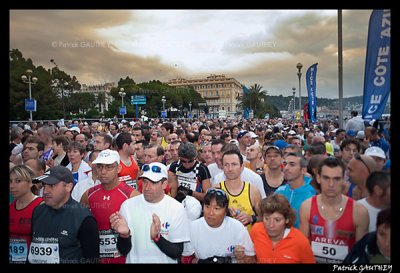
(122, 94)
(299, 66)
(29, 80)
(294, 99)
(163, 100)
(289, 110)
(60, 84)
(190, 107)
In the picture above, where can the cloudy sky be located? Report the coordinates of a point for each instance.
(253, 46)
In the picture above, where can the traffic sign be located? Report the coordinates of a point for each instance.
(30, 105)
(163, 114)
(122, 110)
(138, 99)
(190, 115)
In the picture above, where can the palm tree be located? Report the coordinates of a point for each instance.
(254, 99)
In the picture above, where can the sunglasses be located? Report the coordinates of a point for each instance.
(217, 192)
(187, 161)
(154, 169)
(358, 157)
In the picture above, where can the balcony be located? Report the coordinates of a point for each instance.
(211, 97)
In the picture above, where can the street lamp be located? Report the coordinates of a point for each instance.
(299, 66)
(190, 107)
(29, 81)
(294, 99)
(122, 94)
(163, 102)
(60, 85)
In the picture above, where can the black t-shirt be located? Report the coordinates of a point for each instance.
(202, 171)
(267, 188)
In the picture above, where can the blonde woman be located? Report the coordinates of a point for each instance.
(21, 210)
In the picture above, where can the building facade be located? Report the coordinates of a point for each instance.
(220, 92)
(102, 90)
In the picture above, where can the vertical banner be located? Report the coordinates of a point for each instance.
(245, 110)
(377, 66)
(311, 76)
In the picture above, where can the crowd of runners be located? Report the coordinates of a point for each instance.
(200, 191)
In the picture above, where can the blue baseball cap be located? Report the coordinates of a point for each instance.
(351, 133)
(241, 134)
(281, 144)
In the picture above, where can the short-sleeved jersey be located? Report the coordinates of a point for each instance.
(191, 178)
(207, 241)
(103, 203)
(138, 215)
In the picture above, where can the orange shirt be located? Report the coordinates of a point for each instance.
(294, 248)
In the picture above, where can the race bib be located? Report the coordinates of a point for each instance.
(44, 253)
(329, 251)
(108, 244)
(188, 182)
(18, 250)
(132, 183)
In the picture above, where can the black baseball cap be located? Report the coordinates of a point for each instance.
(56, 174)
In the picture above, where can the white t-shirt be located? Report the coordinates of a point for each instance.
(372, 213)
(81, 187)
(214, 170)
(138, 214)
(207, 241)
(247, 175)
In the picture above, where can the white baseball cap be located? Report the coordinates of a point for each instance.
(253, 135)
(107, 157)
(192, 207)
(360, 135)
(154, 171)
(375, 151)
(76, 129)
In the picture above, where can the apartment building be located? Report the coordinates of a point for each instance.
(220, 92)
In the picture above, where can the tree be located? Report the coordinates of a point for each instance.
(254, 99)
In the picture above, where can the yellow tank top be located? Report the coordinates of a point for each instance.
(241, 201)
(164, 143)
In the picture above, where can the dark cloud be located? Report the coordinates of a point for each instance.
(70, 38)
(73, 39)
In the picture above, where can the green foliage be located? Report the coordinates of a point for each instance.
(49, 106)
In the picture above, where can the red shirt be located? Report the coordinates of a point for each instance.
(331, 240)
(20, 229)
(129, 174)
(103, 203)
